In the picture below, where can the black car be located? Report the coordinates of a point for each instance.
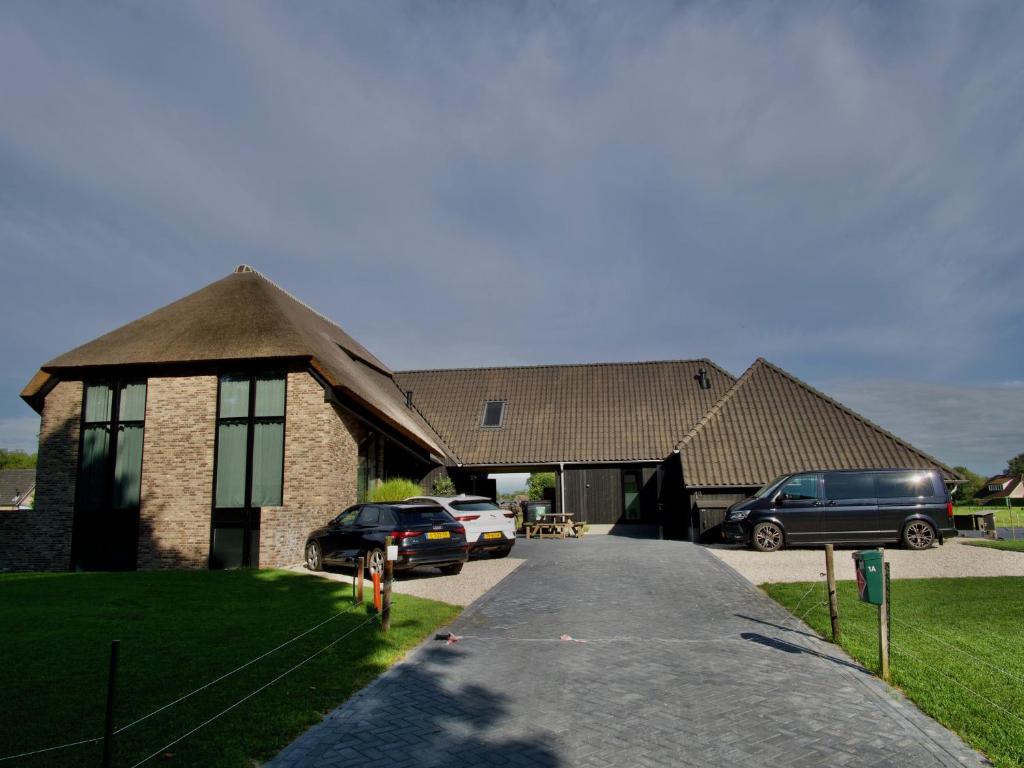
(426, 535)
(879, 506)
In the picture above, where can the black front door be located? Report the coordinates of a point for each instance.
(235, 539)
(798, 507)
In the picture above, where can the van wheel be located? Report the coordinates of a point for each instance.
(918, 535)
(767, 537)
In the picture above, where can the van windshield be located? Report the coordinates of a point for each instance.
(767, 490)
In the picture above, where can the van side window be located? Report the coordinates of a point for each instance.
(800, 488)
(841, 486)
(902, 485)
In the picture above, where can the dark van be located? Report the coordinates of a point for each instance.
(876, 506)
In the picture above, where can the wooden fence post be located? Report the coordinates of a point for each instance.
(833, 602)
(108, 723)
(389, 571)
(883, 623)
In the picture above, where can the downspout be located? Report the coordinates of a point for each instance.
(561, 483)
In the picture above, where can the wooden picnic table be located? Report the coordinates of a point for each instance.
(555, 525)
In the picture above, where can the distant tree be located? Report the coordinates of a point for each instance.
(967, 490)
(16, 459)
(537, 482)
(1015, 466)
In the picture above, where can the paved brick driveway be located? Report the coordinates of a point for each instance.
(685, 664)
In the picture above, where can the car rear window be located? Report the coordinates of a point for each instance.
(902, 485)
(473, 506)
(421, 515)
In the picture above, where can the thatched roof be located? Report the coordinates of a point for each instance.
(245, 316)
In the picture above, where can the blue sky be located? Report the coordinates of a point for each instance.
(835, 187)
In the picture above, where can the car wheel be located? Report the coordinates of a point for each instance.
(767, 537)
(451, 570)
(918, 534)
(375, 561)
(314, 557)
(503, 552)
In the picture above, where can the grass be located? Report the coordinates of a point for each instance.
(179, 630)
(955, 651)
(1011, 546)
(1005, 518)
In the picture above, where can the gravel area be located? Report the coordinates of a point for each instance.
(477, 577)
(953, 559)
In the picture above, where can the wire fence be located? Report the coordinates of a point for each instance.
(95, 740)
(988, 706)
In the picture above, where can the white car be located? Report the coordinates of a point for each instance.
(489, 528)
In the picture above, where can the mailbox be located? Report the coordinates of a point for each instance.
(870, 575)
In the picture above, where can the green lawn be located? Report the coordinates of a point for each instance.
(1005, 518)
(956, 651)
(1012, 546)
(179, 630)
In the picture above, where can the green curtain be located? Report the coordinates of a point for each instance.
(91, 478)
(269, 396)
(234, 397)
(231, 443)
(133, 402)
(98, 399)
(128, 467)
(267, 467)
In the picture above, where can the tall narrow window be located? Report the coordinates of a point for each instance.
(105, 533)
(250, 464)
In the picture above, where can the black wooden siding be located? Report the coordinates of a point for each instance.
(594, 494)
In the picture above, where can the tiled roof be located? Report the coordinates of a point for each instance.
(568, 413)
(770, 423)
(245, 316)
(15, 485)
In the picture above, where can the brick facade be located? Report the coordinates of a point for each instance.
(177, 472)
(39, 539)
(320, 460)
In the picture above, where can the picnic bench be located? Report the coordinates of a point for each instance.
(556, 525)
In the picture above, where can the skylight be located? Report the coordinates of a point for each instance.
(494, 414)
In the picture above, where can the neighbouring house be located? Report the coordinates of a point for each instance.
(1001, 488)
(220, 429)
(17, 489)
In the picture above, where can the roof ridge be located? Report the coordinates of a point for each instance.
(563, 365)
(863, 419)
(715, 409)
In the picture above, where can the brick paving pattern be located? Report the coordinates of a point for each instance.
(685, 664)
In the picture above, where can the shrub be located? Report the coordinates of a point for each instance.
(537, 482)
(394, 489)
(444, 486)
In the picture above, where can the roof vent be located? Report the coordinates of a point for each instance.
(241, 269)
(702, 378)
(408, 398)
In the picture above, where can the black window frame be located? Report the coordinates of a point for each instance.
(246, 517)
(501, 415)
(113, 423)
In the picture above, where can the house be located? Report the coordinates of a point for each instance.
(220, 429)
(17, 489)
(1004, 489)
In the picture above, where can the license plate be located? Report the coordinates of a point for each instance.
(439, 535)
(493, 535)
